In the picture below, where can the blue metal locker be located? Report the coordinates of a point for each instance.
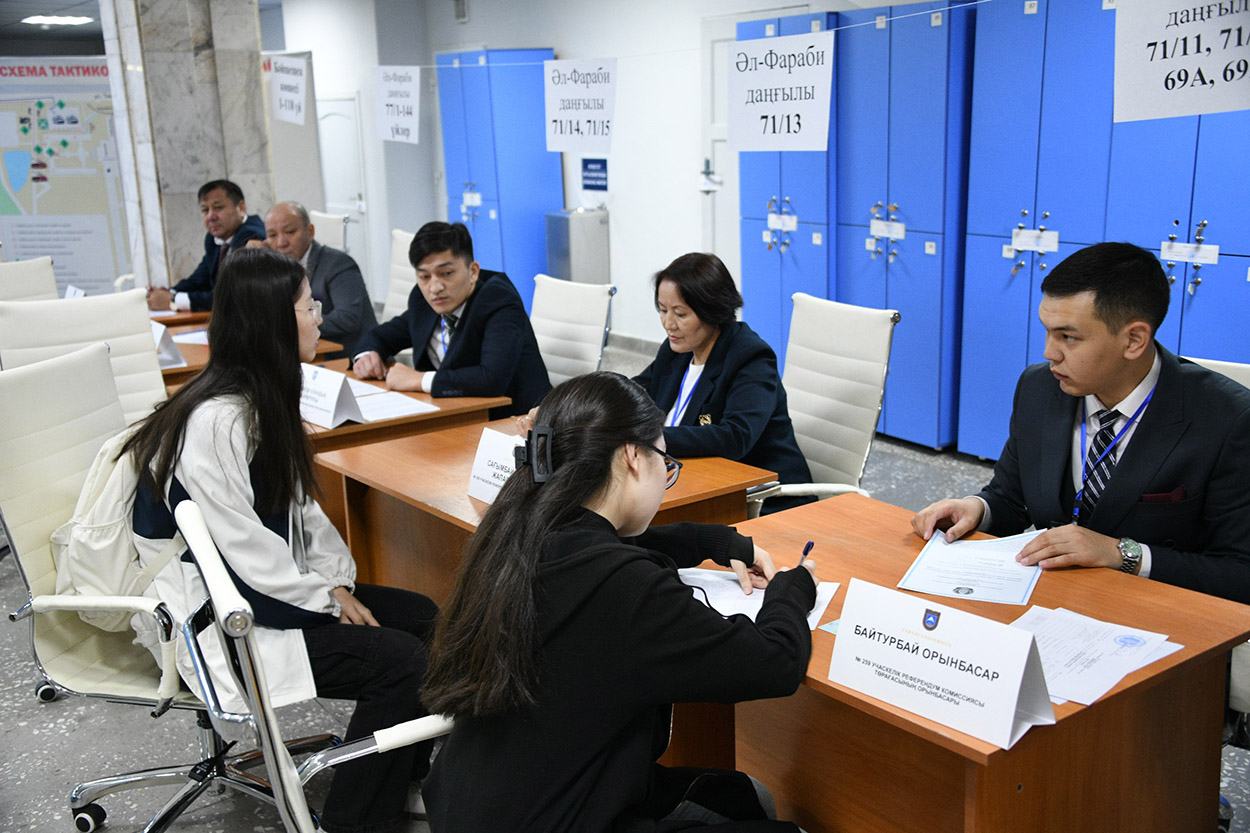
(996, 319)
(761, 280)
(1006, 108)
(1151, 180)
(455, 149)
(863, 53)
(479, 126)
(1222, 182)
(1076, 121)
(484, 225)
(1043, 263)
(922, 47)
(1215, 299)
(1169, 334)
(804, 268)
(913, 389)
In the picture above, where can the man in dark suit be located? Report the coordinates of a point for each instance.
(1126, 456)
(335, 279)
(467, 327)
(229, 228)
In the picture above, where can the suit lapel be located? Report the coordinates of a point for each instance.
(314, 255)
(707, 380)
(1055, 449)
(454, 341)
(1160, 428)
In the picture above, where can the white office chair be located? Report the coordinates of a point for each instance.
(402, 280)
(28, 280)
(120, 282)
(571, 322)
(331, 229)
(1239, 373)
(32, 331)
(836, 364)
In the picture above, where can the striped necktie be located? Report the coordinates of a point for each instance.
(1099, 473)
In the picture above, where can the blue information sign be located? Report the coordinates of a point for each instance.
(594, 174)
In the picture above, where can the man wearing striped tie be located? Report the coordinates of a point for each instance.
(1126, 455)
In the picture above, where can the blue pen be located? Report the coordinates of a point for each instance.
(806, 549)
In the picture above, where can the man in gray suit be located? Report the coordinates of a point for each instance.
(347, 312)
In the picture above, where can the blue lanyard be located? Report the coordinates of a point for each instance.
(682, 403)
(1088, 469)
(443, 334)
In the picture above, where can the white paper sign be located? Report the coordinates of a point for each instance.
(1174, 59)
(398, 92)
(289, 78)
(167, 352)
(884, 228)
(1033, 240)
(779, 92)
(721, 591)
(72, 291)
(580, 97)
(493, 464)
(327, 400)
(1190, 252)
(973, 674)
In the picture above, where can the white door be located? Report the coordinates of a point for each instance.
(343, 172)
(720, 193)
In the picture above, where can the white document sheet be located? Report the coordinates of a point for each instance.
(194, 337)
(360, 388)
(1083, 658)
(725, 596)
(391, 404)
(983, 570)
(161, 313)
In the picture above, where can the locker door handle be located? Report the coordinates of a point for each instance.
(1194, 284)
(1017, 266)
(785, 241)
(1171, 278)
(772, 241)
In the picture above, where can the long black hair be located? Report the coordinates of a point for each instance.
(484, 658)
(255, 354)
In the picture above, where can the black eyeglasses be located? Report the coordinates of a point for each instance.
(672, 466)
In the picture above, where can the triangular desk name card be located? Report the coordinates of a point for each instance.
(964, 671)
(167, 352)
(327, 399)
(493, 464)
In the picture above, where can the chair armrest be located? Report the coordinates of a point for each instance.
(383, 740)
(232, 611)
(169, 682)
(122, 280)
(820, 491)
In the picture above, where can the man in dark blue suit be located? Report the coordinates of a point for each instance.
(467, 327)
(1126, 456)
(229, 227)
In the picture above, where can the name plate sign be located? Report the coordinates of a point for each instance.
(780, 90)
(1207, 253)
(973, 674)
(1034, 240)
(327, 399)
(493, 464)
(886, 228)
(167, 352)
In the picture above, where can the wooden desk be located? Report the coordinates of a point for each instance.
(183, 317)
(196, 356)
(409, 517)
(1144, 757)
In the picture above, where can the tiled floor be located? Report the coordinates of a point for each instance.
(47, 748)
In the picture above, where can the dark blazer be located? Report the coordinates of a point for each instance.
(741, 403)
(347, 312)
(1182, 485)
(493, 351)
(199, 284)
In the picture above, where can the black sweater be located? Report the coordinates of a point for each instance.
(622, 638)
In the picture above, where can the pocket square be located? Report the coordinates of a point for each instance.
(1174, 496)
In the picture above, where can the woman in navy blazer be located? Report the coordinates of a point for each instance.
(716, 380)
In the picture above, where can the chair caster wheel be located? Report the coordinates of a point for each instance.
(46, 692)
(89, 818)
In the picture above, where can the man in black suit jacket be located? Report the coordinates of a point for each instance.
(467, 327)
(229, 228)
(1163, 481)
(335, 279)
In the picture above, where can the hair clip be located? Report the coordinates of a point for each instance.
(540, 466)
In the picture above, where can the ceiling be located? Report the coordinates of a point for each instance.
(12, 12)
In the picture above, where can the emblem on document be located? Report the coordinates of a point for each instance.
(705, 419)
(931, 619)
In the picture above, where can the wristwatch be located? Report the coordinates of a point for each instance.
(1130, 551)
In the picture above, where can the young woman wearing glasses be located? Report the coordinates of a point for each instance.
(568, 635)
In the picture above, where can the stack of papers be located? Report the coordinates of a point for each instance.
(1083, 658)
(720, 590)
(983, 570)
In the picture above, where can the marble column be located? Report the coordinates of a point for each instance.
(189, 107)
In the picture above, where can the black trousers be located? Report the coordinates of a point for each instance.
(382, 670)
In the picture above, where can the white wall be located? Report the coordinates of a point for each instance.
(343, 38)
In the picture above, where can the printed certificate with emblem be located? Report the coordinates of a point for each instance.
(983, 570)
